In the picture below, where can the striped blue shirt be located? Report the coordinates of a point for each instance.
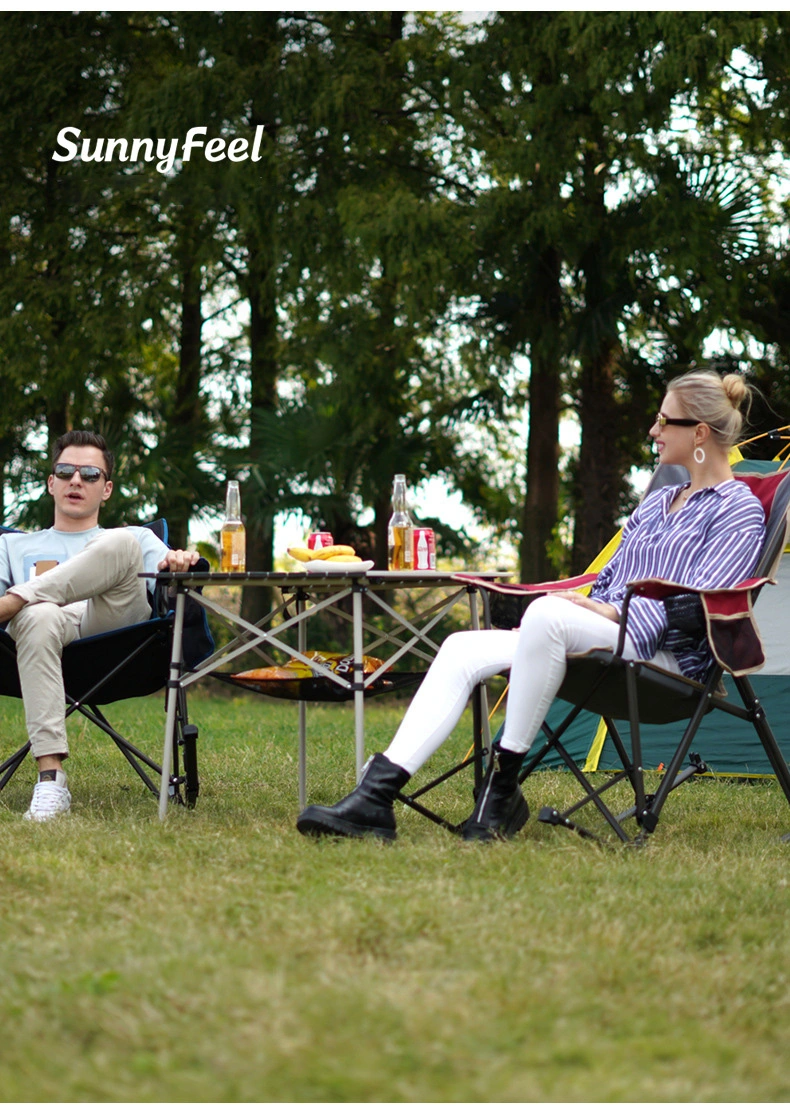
(713, 541)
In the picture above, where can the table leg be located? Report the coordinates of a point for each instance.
(176, 657)
(301, 632)
(359, 679)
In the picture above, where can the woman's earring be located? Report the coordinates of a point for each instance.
(699, 455)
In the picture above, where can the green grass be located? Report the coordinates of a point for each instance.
(221, 956)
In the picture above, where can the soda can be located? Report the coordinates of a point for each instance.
(319, 539)
(424, 549)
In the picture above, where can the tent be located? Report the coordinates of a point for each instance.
(728, 746)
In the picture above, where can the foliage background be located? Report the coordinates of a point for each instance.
(459, 234)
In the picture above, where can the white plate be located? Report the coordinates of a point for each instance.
(338, 567)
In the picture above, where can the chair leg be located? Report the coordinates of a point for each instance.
(411, 800)
(551, 816)
(649, 820)
(136, 757)
(767, 738)
(9, 767)
(188, 742)
(636, 764)
(697, 767)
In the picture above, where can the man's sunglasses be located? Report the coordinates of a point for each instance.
(663, 421)
(89, 473)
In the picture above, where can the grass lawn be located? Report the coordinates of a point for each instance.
(221, 956)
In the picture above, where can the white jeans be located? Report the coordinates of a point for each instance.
(551, 629)
(96, 590)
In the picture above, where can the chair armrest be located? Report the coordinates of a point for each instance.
(504, 603)
(729, 626)
(161, 599)
(545, 588)
(654, 588)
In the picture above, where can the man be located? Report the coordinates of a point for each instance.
(71, 581)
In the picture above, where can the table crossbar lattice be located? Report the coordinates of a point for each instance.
(302, 596)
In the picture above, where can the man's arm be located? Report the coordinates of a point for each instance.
(158, 558)
(5, 566)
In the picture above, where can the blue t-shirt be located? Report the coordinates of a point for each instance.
(19, 553)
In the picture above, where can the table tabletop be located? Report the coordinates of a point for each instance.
(375, 578)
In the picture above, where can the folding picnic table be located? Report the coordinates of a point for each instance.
(303, 595)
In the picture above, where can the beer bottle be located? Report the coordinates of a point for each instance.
(232, 537)
(399, 544)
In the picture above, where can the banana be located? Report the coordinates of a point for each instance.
(331, 551)
(346, 558)
(300, 553)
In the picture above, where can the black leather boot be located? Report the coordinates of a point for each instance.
(501, 810)
(366, 811)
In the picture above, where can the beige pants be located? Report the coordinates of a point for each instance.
(97, 590)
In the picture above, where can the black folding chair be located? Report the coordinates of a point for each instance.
(127, 663)
(639, 692)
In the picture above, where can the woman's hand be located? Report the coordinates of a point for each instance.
(604, 609)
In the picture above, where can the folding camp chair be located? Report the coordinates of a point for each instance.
(127, 663)
(639, 692)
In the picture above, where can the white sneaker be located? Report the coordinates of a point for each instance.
(51, 797)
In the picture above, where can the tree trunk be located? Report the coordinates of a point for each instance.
(176, 500)
(383, 512)
(543, 478)
(256, 504)
(8, 446)
(543, 452)
(599, 480)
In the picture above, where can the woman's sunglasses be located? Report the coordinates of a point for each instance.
(663, 421)
(89, 473)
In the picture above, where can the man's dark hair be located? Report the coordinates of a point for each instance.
(83, 438)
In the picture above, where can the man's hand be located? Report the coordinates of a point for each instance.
(604, 609)
(10, 604)
(178, 560)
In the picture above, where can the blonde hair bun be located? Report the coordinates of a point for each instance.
(737, 390)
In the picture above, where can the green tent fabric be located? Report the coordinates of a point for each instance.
(728, 746)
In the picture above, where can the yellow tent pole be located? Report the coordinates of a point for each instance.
(595, 750)
(765, 434)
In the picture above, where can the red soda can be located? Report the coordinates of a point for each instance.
(424, 549)
(319, 539)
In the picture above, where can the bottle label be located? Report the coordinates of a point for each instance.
(424, 544)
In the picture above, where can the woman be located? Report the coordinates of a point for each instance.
(706, 533)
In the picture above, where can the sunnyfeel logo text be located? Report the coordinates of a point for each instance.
(164, 151)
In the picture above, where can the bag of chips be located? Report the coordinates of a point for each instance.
(297, 680)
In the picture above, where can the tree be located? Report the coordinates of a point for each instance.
(572, 116)
(67, 319)
(376, 280)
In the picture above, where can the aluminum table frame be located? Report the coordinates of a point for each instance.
(322, 590)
